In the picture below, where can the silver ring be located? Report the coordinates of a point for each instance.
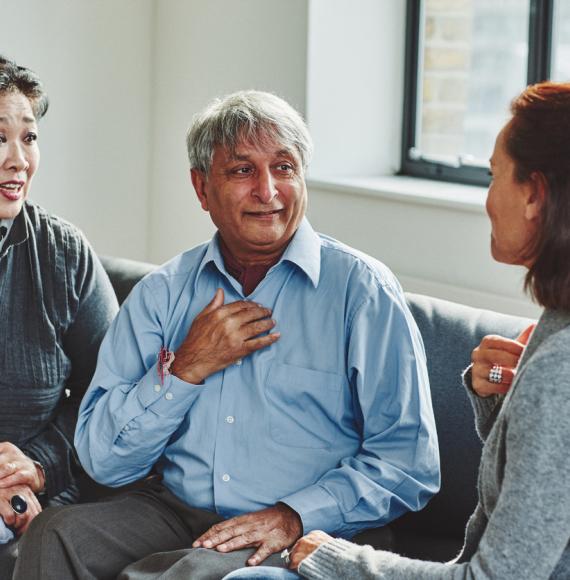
(11, 466)
(286, 555)
(496, 374)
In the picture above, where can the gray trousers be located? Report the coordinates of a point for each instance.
(141, 535)
(8, 554)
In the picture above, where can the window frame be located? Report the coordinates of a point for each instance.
(539, 68)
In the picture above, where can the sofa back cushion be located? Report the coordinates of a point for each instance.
(124, 273)
(450, 332)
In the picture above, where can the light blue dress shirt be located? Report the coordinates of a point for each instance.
(334, 419)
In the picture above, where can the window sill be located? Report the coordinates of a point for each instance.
(457, 196)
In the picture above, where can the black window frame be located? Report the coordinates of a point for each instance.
(539, 69)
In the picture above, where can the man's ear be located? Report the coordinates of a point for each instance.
(199, 182)
(537, 195)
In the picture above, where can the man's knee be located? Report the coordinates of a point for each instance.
(53, 523)
(195, 563)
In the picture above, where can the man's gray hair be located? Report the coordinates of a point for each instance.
(251, 116)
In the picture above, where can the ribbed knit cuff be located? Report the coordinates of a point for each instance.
(483, 406)
(57, 469)
(321, 564)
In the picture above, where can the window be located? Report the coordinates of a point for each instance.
(465, 61)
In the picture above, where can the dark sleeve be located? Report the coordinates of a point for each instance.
(96, 307)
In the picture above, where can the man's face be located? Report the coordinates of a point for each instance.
(256, 197)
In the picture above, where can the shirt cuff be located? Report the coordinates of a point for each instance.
(317, 508)
(171, 398)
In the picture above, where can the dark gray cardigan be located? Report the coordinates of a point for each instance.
(56, 303)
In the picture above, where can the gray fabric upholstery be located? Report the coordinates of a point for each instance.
(450, 332)
(124, 273)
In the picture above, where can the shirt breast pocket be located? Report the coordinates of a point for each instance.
(303, 406)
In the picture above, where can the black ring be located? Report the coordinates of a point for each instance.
(19, 504)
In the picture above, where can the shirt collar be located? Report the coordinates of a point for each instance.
(212, 255)
(304, 251)
(17, 231)
(5, 226)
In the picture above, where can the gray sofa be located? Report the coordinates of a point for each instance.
(450, 332)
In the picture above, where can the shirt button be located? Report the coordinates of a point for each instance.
(127, 428)
(226, 477)
(229, 419)
(238, 362)
(169, 396)
(157, 388)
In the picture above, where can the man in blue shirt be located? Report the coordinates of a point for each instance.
(273, 377)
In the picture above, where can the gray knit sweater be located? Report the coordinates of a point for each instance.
(56, 303)
(521, 526)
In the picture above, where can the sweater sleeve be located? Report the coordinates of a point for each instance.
(96, 307)
(486, 409)
(529, 526)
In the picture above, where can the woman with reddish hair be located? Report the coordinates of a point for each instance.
(520, 389)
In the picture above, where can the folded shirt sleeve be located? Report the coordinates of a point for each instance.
(397, 466)
(129, 412)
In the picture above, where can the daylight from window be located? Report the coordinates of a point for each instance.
(561, 41)
(474, 60)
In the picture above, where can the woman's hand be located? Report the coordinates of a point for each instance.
(18, 469)
(305, 546)
(496, 350)
(19, 523)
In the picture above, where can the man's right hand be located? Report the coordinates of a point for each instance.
(221, 335)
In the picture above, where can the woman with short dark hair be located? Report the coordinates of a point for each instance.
(520, 389)
(56, 303)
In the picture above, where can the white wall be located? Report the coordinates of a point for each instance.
(354, 107)
(93, 58)
(355, 85)
(126, 76)
(204, 50)
(435, 250)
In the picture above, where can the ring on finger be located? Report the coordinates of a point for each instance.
(11, 466)
(18, 504)
(286, 555)
(496, 375)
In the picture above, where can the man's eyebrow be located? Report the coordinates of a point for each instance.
(235, 156)
(239, 157)
(285, 153)
(27, 120)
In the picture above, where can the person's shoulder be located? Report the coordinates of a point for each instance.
(46, 223)
(177, 269)
(358, 265)
(556, 345)
(546, 372)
